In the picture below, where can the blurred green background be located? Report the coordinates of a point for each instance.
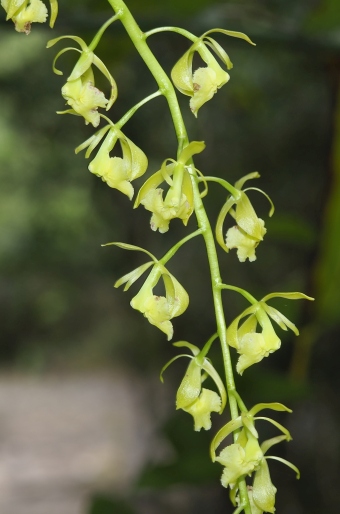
(279, 115)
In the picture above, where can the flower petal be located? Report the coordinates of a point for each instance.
(201, 409)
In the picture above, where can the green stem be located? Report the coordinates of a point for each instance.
(243, 292)
(177, 246)
(231, 189)
(139, 40)
(95, 41)
(183, 32)
(135, 108)
(130, 112)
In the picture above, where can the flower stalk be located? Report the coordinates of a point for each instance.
(165, 86)
(252, 332)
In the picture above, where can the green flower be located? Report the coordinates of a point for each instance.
(159, 310)
(246, 456)
(179, 200)
(202, 84)
(239, 460)
(250, 230)
(79, 91)
(25, 12)
(117, 172)
(191, 397)
(254, 346)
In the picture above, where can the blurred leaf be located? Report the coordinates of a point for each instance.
(324, 17)
(328, 267)
(104, 504)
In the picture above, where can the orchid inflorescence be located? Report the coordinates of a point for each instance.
(180, 196)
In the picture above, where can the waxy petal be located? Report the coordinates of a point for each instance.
(201, 409)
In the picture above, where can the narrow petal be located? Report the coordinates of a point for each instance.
(54, 12)
(114, 90)
(226, 430)
(279, 318)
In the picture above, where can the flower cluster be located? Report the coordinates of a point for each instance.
(176, 199)
(249, 230)
(179, 201)
(25, 12)
(191, 397)
(246, 456)
(117, 172)
(158, 310)
(202, 84)
(79, 91)
(254, 346)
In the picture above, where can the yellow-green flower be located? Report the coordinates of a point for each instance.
(191, 397)
(250, 230)
(246, 456)
(25, 12)
(159, 310)
(179, 200)
(117, 172)
(202, 84)
(239, 461)
(80, 91)
(254, 346)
